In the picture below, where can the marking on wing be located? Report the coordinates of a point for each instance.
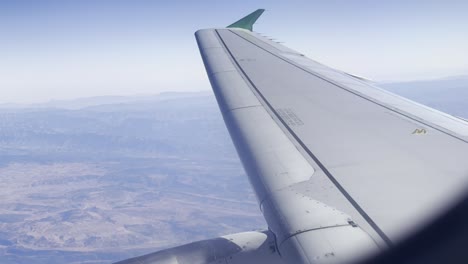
(288, 115)
(247, 60)
(419, 131)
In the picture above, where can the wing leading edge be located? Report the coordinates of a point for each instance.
(340, 167)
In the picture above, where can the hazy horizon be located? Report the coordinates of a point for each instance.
(208, 90)
(54, 50)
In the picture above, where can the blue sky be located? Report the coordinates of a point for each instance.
(67, 49)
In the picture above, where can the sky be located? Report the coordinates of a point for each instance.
(52, 50)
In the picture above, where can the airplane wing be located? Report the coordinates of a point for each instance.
(341, 168)
(328, 153)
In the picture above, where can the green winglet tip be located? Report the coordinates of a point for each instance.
(248, 21)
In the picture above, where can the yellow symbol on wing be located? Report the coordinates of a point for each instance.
(419, 131)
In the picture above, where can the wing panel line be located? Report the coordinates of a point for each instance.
(433, 126)
(307, 150)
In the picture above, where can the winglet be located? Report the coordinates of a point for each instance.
(248, 21)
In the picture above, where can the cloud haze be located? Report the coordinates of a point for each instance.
(63, 49)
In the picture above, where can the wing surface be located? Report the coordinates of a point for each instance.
(307, 134)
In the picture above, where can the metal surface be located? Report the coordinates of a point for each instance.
(242, 248)
(303, 130)
(275, 167)
(342, 169)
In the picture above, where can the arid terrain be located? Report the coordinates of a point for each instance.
(107, 182)
(97, 180)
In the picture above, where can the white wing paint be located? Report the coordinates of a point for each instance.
(341, 168)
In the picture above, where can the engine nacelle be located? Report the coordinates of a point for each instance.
(242, 248)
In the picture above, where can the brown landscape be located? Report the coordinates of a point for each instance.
(97, 180)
